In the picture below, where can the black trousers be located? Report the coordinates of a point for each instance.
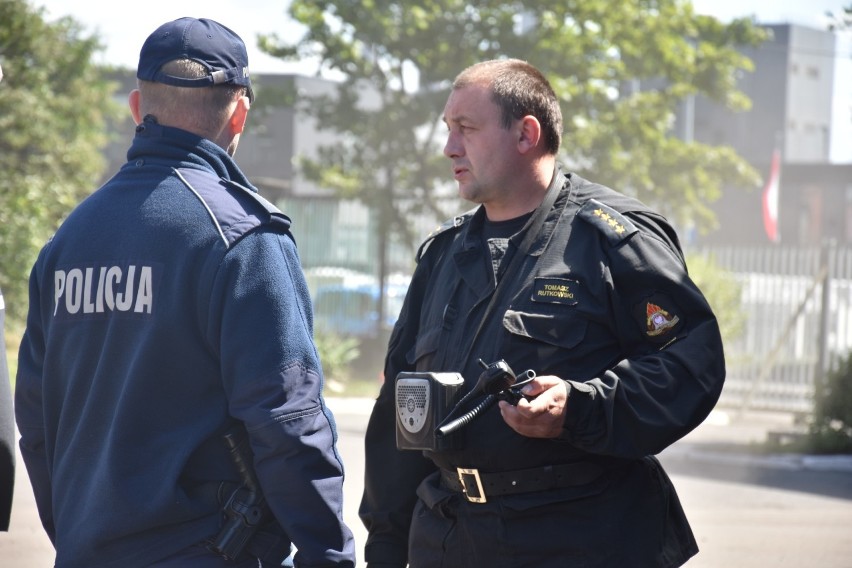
(630, 518)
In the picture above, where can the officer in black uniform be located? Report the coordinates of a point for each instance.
(7, 425)
(583, 286)
(7, 428)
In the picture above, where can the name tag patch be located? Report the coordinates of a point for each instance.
(556, 291)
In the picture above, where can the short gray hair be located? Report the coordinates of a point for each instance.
(201, 110)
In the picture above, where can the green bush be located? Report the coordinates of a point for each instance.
(722, 291)
(336, 354)
(831, 428)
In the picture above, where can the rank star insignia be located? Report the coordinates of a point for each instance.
(659, 320)
(617, 227)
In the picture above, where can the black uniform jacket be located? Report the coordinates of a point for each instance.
(601, 299)
(7, 431)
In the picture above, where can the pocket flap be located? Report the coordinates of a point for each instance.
(563, 330)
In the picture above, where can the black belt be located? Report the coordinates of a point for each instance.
(477, 486)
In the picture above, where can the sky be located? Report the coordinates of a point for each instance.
(123, 27)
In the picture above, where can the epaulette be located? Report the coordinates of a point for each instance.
(237, 210)
(448, 225)
(277, 217)
(610, 222)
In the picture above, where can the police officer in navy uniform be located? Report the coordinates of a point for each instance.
(584, 287)
(167, 311)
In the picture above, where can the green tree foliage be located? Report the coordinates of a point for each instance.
(722, 290)
(620, 70)
(841, 21)
(54, 105)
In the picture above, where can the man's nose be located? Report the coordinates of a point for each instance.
(453, 147)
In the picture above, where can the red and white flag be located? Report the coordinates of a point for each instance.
(770, 198)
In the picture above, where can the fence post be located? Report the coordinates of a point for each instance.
(827, 251)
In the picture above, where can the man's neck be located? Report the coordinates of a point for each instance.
(528, 193)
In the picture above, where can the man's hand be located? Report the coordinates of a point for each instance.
(544, 415)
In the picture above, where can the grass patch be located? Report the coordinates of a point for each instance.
(353, 388)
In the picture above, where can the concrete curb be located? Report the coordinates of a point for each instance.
(790, 462)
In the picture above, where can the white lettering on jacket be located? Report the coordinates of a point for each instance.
(98, 290)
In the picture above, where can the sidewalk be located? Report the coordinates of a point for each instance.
(730, 436)
(726, 437)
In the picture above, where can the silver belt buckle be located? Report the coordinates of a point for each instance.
(465, 473)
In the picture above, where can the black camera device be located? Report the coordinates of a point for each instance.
(429, 405)
(422, 402)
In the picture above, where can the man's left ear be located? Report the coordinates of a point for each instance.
(133, 101)
(238, 118)
(530, 133)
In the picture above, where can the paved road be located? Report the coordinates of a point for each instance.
(746, 511)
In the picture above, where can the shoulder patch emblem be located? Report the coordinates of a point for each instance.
(658, 317)
(659, 321)
(613, 224)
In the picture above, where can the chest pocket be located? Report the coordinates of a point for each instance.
(558, 327)
(425, 346)
(550, 311)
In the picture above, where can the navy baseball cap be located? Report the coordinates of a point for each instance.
(217, 48)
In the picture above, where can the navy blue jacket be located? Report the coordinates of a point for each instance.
(169, 305)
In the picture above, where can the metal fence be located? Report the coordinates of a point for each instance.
(797, 304)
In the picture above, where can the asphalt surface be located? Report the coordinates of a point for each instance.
(747, 509)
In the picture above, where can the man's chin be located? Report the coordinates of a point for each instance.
(468, 192)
